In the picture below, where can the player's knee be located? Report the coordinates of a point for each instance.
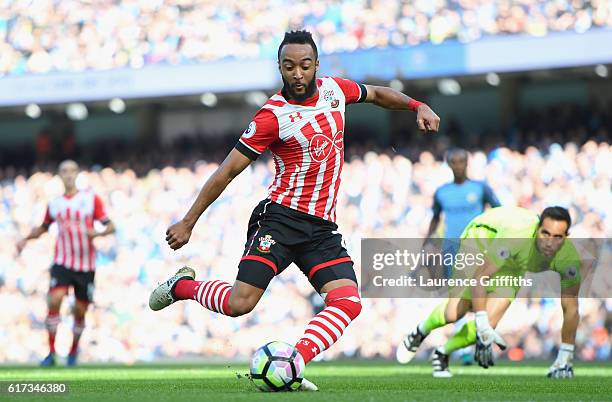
(452, 315)
(347, 299)
(240, 306)
(79, 312)
(356, 308)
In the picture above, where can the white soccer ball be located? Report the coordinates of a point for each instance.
(277, 366)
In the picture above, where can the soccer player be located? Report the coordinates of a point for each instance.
(514, 241)
(303, 126)
(461, 201)
(75, 256)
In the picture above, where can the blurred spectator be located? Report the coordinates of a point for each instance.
(76, 35)
(381, 196)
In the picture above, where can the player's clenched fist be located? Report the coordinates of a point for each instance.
(427, 119)
(178, 235)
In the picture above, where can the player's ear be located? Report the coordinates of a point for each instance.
(317, 66)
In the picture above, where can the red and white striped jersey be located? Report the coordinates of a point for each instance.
(74, 215)
(307, 143)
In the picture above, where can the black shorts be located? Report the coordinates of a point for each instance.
(278, 236)
(82, 282)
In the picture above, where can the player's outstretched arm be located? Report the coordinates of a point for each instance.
(178, 234)
(34, 234)
(485, 333)
(562, 366)
(391, 99)
(569, 304)
(435, 219)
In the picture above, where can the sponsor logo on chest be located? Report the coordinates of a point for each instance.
(319, 132)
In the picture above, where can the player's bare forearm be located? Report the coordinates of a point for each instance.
(387, 97)
(433, 225)
(231, 167)
(36, 232)
(391, 99)
(211, 190)
(109, 229)
(178, 234)
(571, 317)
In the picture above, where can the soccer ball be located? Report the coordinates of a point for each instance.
(277, 366)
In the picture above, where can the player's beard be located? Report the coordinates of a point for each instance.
(311, 88)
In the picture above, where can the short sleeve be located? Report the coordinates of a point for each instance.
(99, 212)
(259, 135)
(489, 196)
(567, 263)
(353, 92)
(48, 220)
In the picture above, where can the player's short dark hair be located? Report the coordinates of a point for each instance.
(451, 153)
(556, 213)
(301, 38)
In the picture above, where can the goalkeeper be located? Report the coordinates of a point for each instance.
(514, 241)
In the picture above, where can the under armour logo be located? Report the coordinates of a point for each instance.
(314, 350)
(295, 116)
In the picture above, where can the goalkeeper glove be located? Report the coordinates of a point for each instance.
(485, 337)
(562, 366)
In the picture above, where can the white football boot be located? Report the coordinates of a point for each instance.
(439, 363)
(162, 297)
(407, 349)
(307, 386)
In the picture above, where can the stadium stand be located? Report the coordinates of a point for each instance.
(44, 36)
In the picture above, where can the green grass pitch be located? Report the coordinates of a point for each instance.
(344, 381)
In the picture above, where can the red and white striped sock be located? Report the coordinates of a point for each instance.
(51, 322)
(343, 306)
(77, 330)
(213, 295)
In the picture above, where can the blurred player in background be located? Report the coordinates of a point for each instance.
(75, 256)
(514, 241)
(460, 201)
(303, 126)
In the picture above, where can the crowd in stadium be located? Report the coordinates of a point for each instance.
(382, 195)
(44, 35)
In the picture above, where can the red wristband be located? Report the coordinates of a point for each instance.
(414, 104)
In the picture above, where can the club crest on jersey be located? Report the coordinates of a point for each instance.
(265, 242)
(335, 103)
(321, 146)
(250, 131)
